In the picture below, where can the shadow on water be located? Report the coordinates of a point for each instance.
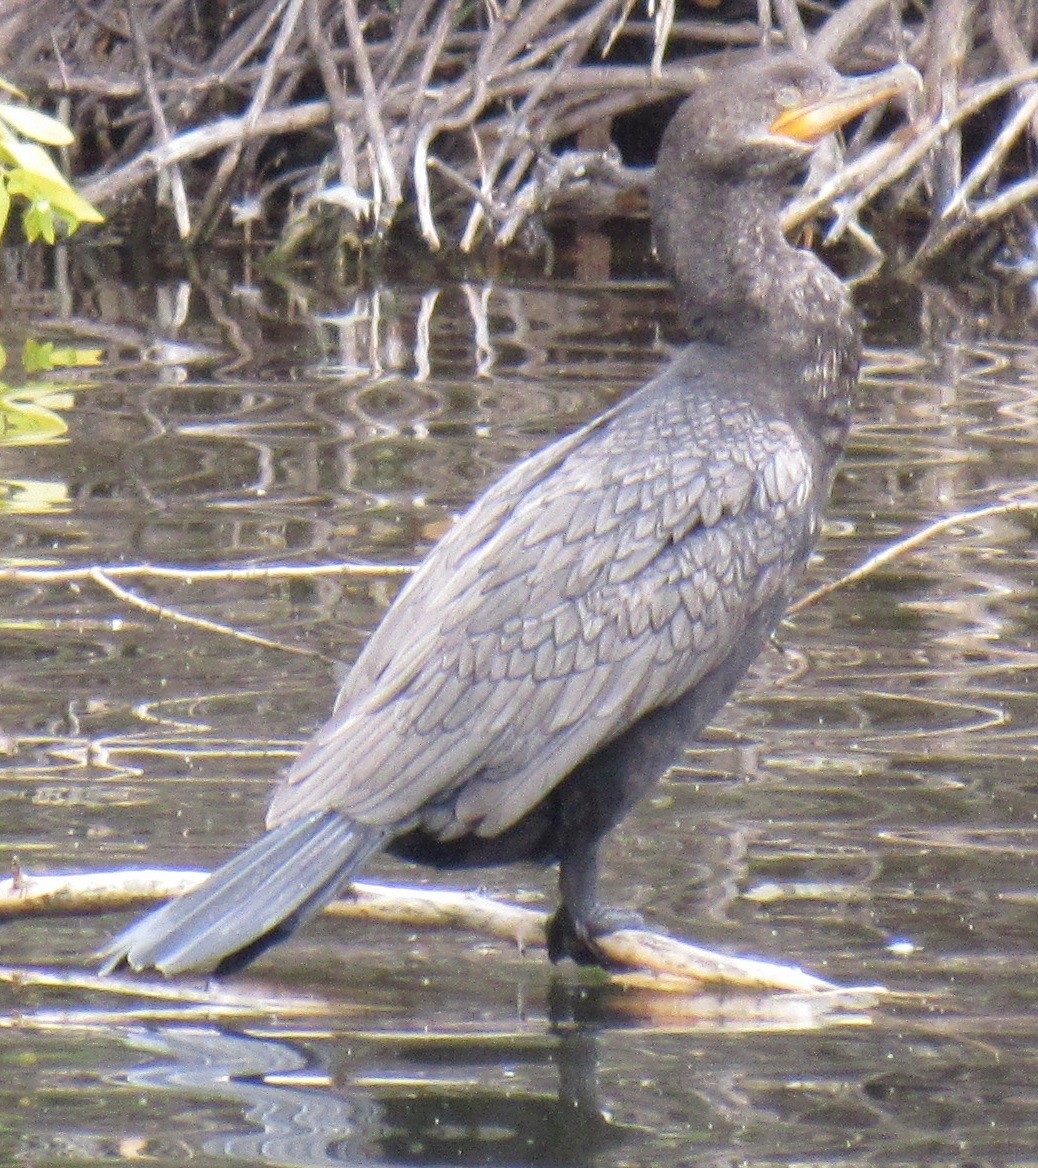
(867, 806)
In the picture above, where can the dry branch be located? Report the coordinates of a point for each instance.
(635, 949)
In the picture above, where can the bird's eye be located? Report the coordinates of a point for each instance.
(789, 96)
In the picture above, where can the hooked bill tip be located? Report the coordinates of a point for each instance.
(810, 123)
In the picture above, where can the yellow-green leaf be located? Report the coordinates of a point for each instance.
(39, 356)
(39, 127)
(72, 203)
(30, 157)
(78, 358)
(5, 209)
(38, 222)
(59, 193)
(25, 421)
(13, 90)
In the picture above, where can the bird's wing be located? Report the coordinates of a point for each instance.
(599, 580)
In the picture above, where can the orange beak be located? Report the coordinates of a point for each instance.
(810, 123)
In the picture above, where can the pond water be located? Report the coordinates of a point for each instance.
(866, 808)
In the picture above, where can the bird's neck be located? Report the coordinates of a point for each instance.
(740, 283)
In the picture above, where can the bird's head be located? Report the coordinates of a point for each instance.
(768, 116)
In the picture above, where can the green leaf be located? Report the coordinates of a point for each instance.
(29, 157)
(21, 182)
(5, 207)
(25, 416)
(3, 357)
(38, 222)
(37, 356)
(60, 194)
(43, 356)
(39, 127)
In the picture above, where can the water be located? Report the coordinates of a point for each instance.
(866, 808)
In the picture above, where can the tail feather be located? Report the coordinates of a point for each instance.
(255, 899)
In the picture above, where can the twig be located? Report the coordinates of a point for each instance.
(504, 80)
(190, 575)
(662, 25)
(897, 550)
(792, 26)
(573, 43)
(336, 95)
(1012, 47)
(846, 25)
(459, 180)
(163, 612)
(202, 141)
(994, 156)
(260, 97)
(924, 138)
(995, 207)
(420, 139)
(178, 194)
(411, 15)
(948, 39)
(372, 112)
(414, 908)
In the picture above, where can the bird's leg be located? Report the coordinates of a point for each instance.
(580, 918)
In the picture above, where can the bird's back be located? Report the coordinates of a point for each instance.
(599, 580)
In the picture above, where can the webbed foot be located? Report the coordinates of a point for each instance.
(576, 939)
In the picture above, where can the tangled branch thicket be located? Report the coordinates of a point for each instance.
(472, 119)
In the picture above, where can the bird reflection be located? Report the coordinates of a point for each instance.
(422, 1102)
(291, 1125)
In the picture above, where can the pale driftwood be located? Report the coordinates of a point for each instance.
(665, 957)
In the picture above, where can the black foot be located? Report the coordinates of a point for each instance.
(576, 939)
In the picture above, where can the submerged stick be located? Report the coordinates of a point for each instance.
(895, 551)
(638, 949)
(164, 612)
(193, 575)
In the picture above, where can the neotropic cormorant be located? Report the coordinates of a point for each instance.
(578, 627)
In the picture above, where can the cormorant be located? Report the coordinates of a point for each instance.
(578, 627)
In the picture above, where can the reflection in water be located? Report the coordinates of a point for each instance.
(908, 1090)
(512, 1124)
(428, 1109)
(297, 1125)
(867, 807)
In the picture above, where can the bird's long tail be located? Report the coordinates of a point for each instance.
(254, 900)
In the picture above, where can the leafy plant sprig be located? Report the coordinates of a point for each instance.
(28, 172)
